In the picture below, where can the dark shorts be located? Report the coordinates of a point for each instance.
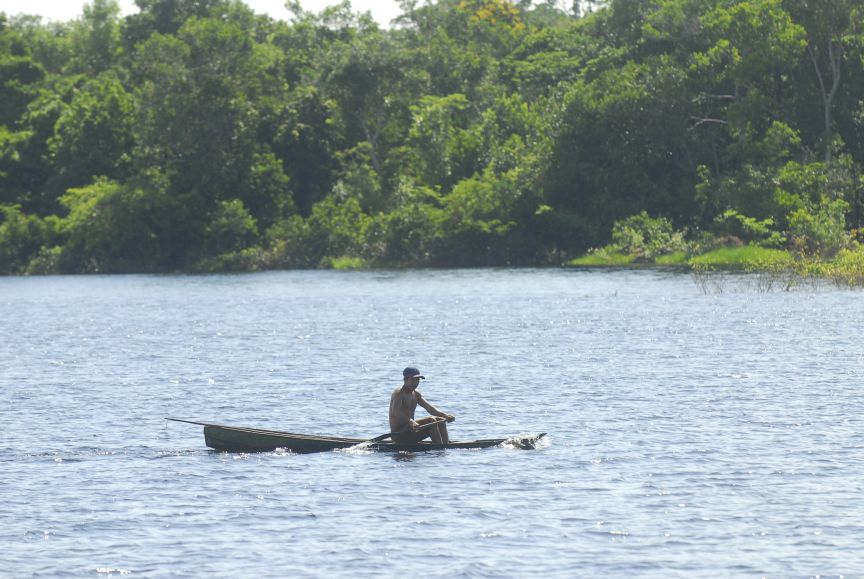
(411, 437)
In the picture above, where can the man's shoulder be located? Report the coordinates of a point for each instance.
(400, 392)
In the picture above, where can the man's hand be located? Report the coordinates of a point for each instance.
(449, 417)
(415, 427)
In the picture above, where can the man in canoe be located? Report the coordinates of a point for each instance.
(404, 401)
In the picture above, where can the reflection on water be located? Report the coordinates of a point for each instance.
(404, 456)
(691, 433)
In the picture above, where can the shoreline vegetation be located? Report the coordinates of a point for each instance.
(783, 268)
(642, 241)
(198, 136)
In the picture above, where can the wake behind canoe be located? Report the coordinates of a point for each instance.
(243, 439)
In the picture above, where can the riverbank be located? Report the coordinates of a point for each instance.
(846, 268)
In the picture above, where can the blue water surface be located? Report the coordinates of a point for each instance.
(695, 429)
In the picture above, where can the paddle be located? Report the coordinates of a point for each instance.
(389, 434)
(380, 438)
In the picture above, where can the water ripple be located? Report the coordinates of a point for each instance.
(691, 434)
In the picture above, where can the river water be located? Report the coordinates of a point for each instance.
(692, 433)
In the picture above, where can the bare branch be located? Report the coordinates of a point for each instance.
(725, 97)
(702, 121)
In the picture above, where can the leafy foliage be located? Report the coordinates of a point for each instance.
(821, 231)
(645, 238)
(21, 236)
(196, 135)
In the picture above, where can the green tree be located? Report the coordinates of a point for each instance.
(197, 135)
(21, 237)
(307, 136)
(441, 41)
(204, 96)
(829, 27)
(624, 147)
(820, 231)
(479, 222)
(167, 17)
(113, 228)
(231, 229)
(20, 77)
(546, 58)
(751, 187)
(373, 82)
(93, 135)
(440, 146)
(753, 47)
(336, 229)
(96, 38)
(30, 177)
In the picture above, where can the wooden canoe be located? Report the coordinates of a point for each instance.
(243, 439)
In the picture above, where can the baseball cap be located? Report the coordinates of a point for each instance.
(411, 372)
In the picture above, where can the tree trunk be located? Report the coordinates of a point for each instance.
(828, 94)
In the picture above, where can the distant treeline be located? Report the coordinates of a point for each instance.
(197, 135)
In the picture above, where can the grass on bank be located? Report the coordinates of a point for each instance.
(744, 257)
(344, 263)
(845, 269)
(674, 258)
(602, 258)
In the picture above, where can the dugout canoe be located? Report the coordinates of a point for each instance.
(243, 439)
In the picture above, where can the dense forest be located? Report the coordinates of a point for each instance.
(196, 135)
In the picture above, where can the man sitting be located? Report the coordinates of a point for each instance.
(404, 401)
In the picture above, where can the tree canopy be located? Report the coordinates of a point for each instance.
(199, 136)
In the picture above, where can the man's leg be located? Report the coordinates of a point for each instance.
(439, 431)
(436, 435)
(442, 432)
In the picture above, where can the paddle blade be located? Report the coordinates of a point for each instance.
(363, 447)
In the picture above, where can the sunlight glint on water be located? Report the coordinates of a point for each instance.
(691, 434)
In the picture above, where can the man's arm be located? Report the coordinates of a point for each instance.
(432, 410)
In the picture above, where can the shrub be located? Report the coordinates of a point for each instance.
(820, 231)
(231, 229)
(113, 227)
(847, 267)
(335, 228)
(249, 259)
(645, 237)
(479, 221)
(749, 229)
(285, 243)
(21, 237)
